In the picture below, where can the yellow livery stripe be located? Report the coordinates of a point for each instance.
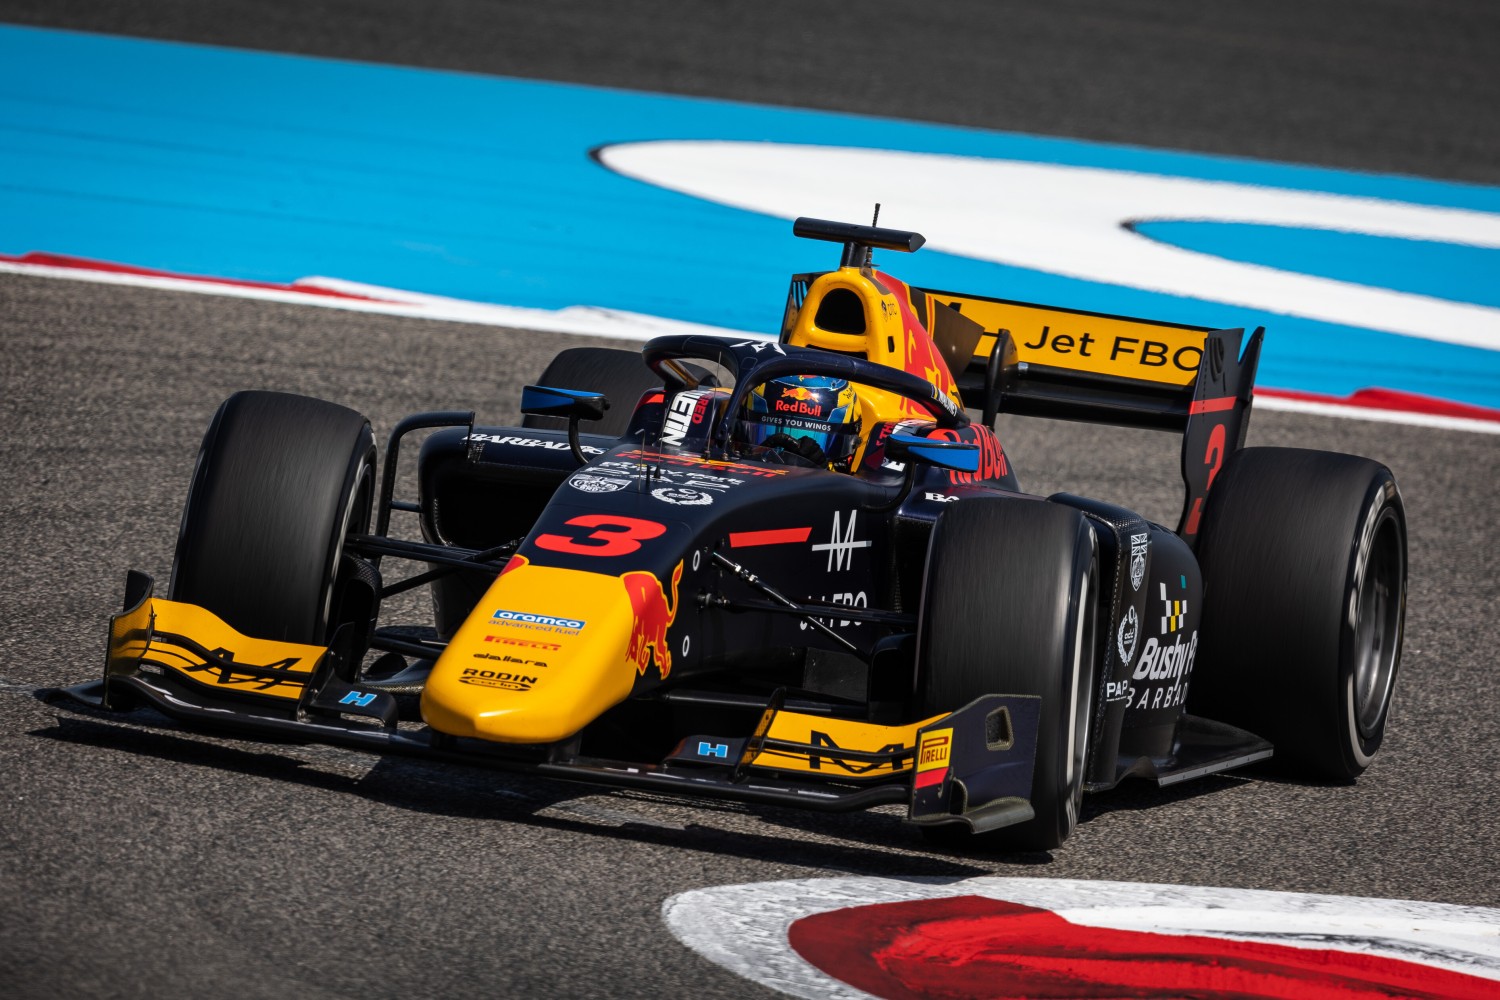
(180, 634)
(831, 737)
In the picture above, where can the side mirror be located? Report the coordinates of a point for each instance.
(956, 456)
(572, 404)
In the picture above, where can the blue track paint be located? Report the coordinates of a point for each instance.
(270, 167)
(1442, 270)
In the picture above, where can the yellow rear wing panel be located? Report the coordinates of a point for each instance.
(1117, 346)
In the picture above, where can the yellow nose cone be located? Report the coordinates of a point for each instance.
(543, 654)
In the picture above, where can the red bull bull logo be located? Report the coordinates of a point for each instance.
(794, 399)
(654, 615)
(921, 356)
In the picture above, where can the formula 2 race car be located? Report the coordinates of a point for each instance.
(795, 571)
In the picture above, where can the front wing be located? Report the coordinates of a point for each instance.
(972, 767)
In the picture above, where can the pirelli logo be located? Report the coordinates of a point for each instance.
(932, 757)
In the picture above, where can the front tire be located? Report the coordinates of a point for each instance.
(281, 481)
(1010, 607)
(1304, 568)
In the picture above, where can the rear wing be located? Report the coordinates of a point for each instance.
(1035, 360)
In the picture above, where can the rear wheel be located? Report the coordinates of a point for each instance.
(281, 480)
(1010, 606)
(1304, 569)
(622, 376)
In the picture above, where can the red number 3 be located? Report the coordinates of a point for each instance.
(613, 536)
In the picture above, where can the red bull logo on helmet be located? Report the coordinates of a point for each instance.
(654, 615)
(798, 406)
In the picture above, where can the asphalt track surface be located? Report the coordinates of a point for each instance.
(141, 858)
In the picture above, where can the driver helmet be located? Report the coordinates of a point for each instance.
(814, 416)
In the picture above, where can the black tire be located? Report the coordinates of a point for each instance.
(1304, 569)
(621, 375)
(1010, 606)
(280, 481)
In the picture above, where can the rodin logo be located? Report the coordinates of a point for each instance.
(1125, 638)
(497, 679)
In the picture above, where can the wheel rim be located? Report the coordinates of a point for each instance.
(1377, 629)
(355, 520)
(1082, 699)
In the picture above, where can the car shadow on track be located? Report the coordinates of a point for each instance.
(874, 843)
(1134, 795)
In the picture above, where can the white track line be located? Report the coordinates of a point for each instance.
(586, 321)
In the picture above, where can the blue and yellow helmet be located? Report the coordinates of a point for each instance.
(812, 415)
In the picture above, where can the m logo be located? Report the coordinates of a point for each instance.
(840, 547)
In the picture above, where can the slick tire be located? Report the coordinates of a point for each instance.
(1304, 578)
(621, 375)
(281, 480)
(1010, 606)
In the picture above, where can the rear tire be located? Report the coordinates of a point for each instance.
(622, 376)
(1010, 606)
(281, 480)
(1304, 569)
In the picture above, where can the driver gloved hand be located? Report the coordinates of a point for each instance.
(810, 450)
(805, 447)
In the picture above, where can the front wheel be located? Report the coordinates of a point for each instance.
(281, 481)
(1304, 570)
(1010, 606)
